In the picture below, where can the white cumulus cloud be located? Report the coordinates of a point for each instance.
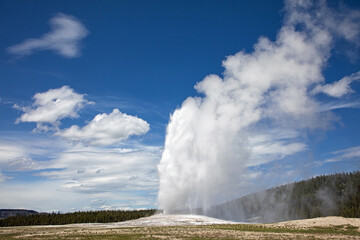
(51, 106)
(64, 38)
(106, 129)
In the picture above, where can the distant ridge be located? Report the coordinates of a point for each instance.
(4, 213)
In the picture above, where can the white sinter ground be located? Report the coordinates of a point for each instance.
(159, 220)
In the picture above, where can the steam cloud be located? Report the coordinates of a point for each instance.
(212, 140)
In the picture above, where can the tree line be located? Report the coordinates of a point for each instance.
(332, 195)
(76, 217)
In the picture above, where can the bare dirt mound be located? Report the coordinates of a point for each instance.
(319, 222)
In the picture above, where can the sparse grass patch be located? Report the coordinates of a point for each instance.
(229, 231)
(341, 229)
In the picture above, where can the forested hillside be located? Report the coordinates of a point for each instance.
(76, 217)
(331, 195)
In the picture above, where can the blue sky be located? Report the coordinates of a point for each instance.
(118, 70)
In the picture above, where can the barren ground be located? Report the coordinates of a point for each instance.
(192, 227)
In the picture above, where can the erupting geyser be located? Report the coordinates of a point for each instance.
(258, 108)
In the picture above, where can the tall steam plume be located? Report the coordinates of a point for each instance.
(255, 113)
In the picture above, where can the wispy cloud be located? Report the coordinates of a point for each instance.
(47, 196)
(51, 106)
(3, 178)
(268, 145)
(63, 38)
(40, 196)
(338, 105)
(94, 169)
(339, 88)
(106, 129)
(344, 155)
(9, 151)
(118, 178)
